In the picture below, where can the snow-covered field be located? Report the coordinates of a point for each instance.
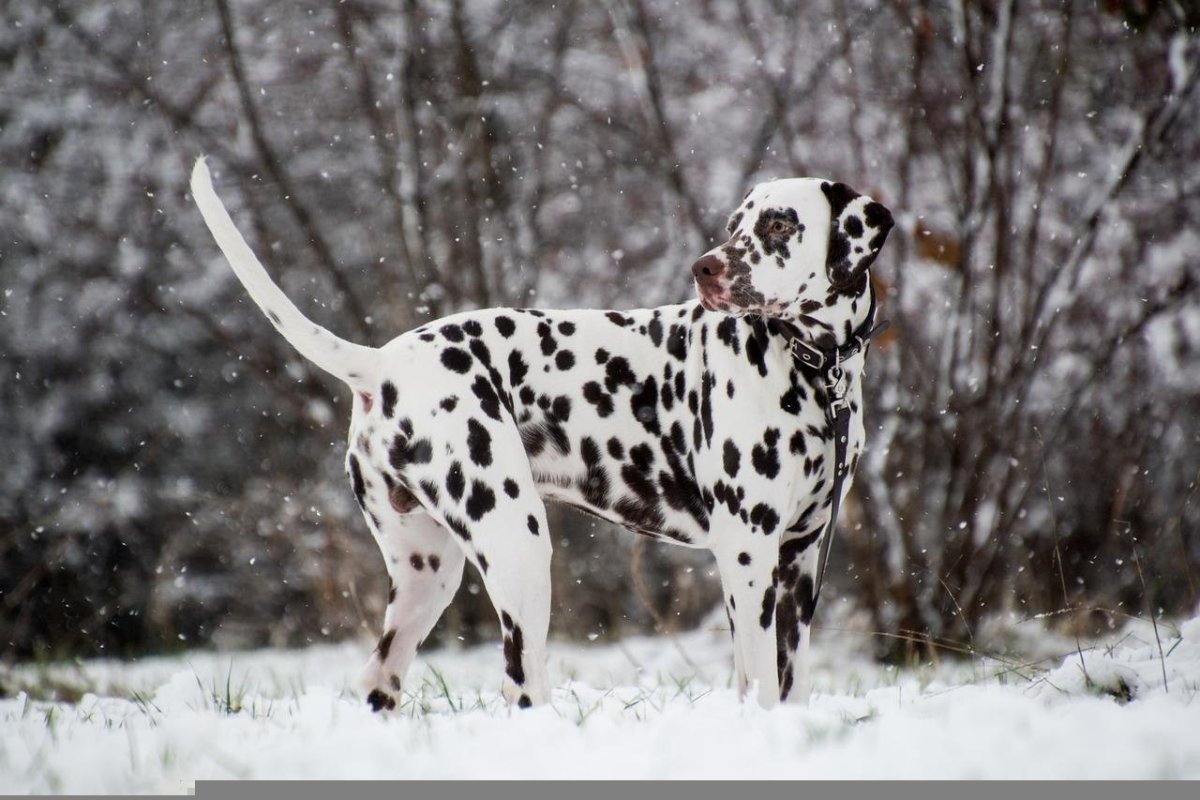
(644, 708)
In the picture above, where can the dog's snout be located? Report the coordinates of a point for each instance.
(707, 267)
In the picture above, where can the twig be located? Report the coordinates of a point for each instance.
(1137, 562)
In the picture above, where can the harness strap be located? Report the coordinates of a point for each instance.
(826, 364)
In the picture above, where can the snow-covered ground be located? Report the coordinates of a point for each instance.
(643, 708)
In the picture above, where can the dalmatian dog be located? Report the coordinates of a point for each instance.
(702, 424)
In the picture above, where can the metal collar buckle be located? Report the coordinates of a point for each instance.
(837, 384)
(807, 353)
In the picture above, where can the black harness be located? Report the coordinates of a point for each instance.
(826, 366)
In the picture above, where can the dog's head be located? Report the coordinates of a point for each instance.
(796, 247)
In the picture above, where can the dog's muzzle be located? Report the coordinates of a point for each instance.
(707, 272)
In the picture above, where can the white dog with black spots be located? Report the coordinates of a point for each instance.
(703, 424)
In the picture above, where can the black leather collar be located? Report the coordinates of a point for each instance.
(809, 356)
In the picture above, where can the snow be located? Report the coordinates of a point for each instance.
(640, 708)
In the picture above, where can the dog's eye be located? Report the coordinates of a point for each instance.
(779, 226)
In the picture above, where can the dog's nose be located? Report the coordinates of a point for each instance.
(707, 267)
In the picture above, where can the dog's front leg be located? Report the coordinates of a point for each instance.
(747, 564)
(794, 608)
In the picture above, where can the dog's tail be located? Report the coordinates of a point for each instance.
(351, 363)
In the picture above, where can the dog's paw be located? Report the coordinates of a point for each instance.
(380, 700)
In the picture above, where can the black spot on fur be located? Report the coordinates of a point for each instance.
(595, 484)
(602, 400)
(681, 493)
(619, 319)
(459, 527)
(448, 403)
(387, 394)
(765, 457)
(564, 360)
(505, 326)
(618, 374)
(744, 559)
(481, 352)
(734, 221)
(455, 482)
(732, 458)
(560, 408)
(677, 342)
(357, 483)
(566, 328)
(456, 360)
(479, 443)
(532, 523)
(616, 449)
(472, 328)
(807, 601)
(434, 563)
(517, 368)
(481, 500)
(655, 331)
(706, 418)
(754, 354)
(768, 608)
(511, 489)
(765, 517)
(727, 334)
(514, 644)
(431, 491)
(790, 402)
(642, 456)
(404, 452)
(548, 343)
(489, 401)
(417, 562)
(385, 644)
(644, 404)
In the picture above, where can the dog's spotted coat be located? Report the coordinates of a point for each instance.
(688, 423)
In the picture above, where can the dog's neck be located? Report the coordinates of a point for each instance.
(835, 322)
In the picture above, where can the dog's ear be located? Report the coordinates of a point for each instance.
(858, 227)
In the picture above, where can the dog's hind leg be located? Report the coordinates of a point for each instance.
(490, 504)
(511, 548)
(425, 568)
